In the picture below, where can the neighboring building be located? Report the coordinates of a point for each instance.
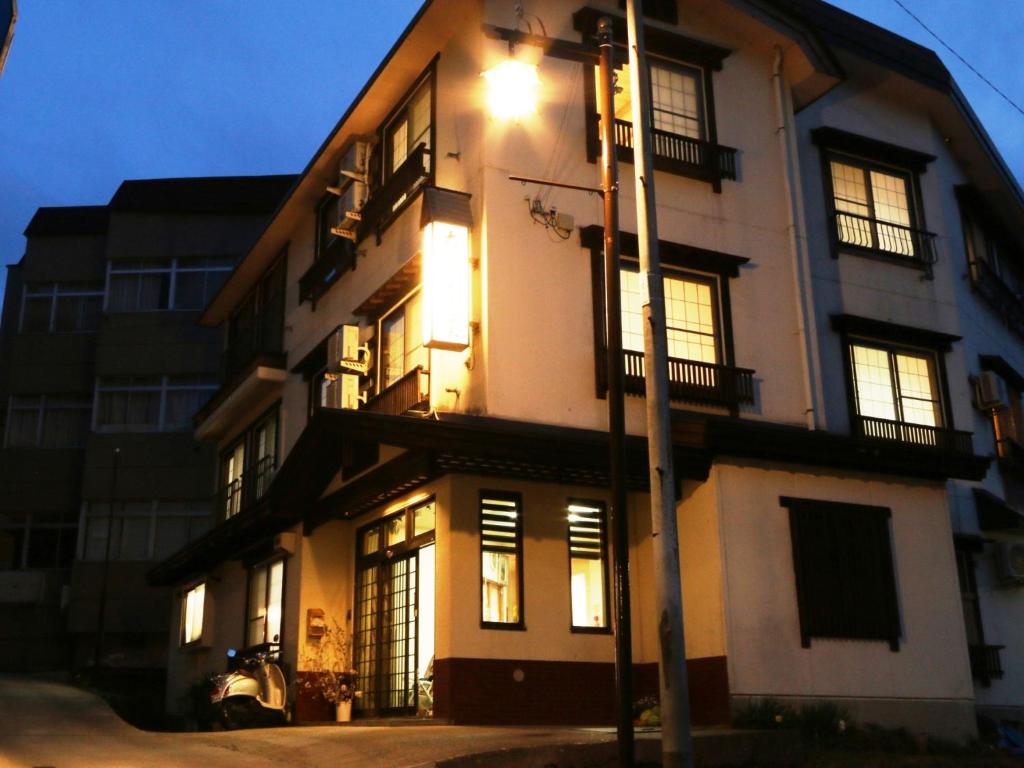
(455, 521)
(101, 352)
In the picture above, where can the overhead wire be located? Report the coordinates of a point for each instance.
(962, 60)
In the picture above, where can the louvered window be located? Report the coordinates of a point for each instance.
(501, 554)
(588, 565)
(845, 580)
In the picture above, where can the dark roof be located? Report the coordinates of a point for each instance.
(68, 220)
(876, 43)
(208, 194)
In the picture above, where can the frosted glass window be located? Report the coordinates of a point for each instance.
(192, 621)
(872, 208)
(897, 386)
(689, 314)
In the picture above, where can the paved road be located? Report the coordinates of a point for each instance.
(58, 726)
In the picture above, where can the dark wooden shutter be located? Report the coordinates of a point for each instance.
(843, 563)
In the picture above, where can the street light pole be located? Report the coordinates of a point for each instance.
(676, 740)
(616, 392)
(101, 614)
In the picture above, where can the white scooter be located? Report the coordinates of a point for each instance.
(254, 692)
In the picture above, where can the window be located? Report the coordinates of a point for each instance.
(266, 595)
(845, 580)
(248, 466)
(874, 198)
(192, 614)
(684, 137)
(178, 284)
(873, 208)
(151, 403)
(39, 540)
(142, 530)
(410, 127)
(588, 565)
(677, 98)
(897, 383)
(48, 421)
(690, 315)
(61, 308)
(257, 327)
(501, 556)
(401, 340)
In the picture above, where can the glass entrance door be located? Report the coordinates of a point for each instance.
(391, 585)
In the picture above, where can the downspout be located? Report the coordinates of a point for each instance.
(807, 328)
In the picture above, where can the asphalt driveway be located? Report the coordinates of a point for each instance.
(46, 724)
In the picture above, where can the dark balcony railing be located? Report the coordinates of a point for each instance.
(1003, 299)
(985, 662)
(914, 434)
(692, 381)
(338, 257)
(915, 245)
(680, 154)
(410, 394)
(387, 198)
(250, 487)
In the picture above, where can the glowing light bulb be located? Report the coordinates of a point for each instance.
(512, 88)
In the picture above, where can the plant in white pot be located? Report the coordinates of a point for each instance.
(327, 667)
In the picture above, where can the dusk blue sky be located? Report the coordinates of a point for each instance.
(101, 91)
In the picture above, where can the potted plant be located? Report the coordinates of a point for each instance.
(327, 663)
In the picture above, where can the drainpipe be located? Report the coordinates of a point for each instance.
(807, 327)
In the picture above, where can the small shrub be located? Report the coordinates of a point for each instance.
(764, 714)
(823, 721)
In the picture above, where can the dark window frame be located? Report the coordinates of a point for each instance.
(408, 544)
(247, 439)
(513, 496)
(605, 550)
(874, 617)
(266, 305)
(895, 338)
(868, 155)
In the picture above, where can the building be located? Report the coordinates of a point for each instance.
(101, 354)
(8, 17)
(441, 491)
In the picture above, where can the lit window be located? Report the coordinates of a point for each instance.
(588, 565)
(677, 103)
(690, 316)
(401, 341)
(266, 593)
(895, 385)
(410, 128)
(249, 465)
(501, 545)
(192, 614)
(873, 208)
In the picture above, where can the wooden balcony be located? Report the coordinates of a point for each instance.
(338, 258)
(692, 381)
(1006, 302)
(387, 200)
(410, 395)
(951, 440)
(675, 153)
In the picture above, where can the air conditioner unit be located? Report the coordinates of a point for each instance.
(342, 391)
(353, 188)
(1009, 560)
(345, 353)
(990, 392)
(286, 543)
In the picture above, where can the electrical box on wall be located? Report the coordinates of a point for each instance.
(316, 624)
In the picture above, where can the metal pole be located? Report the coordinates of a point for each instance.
(616, 405)
(676, 740)
(102, 612)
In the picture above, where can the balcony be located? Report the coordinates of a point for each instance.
(247, 489)
(410, 395)
(673, 153)
(691, 381)
(1002, 298)
(914, 247)
(338, 257)
(951, 440)
(986, 665)
(388, 200)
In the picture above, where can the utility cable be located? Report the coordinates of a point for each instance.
(962, 60)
